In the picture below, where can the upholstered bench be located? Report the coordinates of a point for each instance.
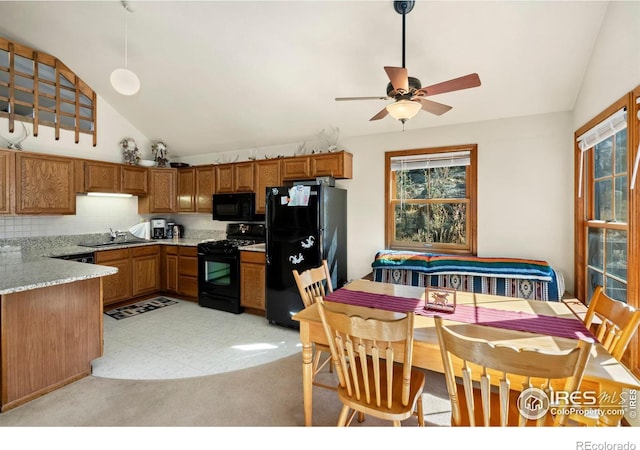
(512, 277)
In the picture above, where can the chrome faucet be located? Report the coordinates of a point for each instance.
(112, 235)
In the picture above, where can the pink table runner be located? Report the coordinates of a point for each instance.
(510, 320)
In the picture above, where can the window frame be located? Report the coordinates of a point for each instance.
(582, 202)
(66, 100)
(471, 200)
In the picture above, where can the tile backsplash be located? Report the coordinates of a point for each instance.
(97, 215)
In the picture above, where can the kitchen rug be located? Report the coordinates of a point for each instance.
(139, 308)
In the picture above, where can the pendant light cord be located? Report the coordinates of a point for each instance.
(126, 37)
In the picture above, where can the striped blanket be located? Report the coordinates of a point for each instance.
(464, 265)
(511, 277)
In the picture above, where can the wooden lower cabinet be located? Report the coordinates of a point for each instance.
(188, 272)
(252, 280)
(180, 271)
(138, 272)
(117, 287)
(49, 337)
(145, 265)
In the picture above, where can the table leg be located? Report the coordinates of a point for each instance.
(307, 372)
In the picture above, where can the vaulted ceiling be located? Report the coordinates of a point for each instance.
(226, 75)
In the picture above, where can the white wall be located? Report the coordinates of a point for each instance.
(614, 68)
(525, 185)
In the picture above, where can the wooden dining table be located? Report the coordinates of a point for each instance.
(603, 371)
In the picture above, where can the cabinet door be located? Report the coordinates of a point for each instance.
(204, 188)
(186, 190)
(135, 180)
(117, 287)
(296, 168)
(171, 273)
(337, 165)
(7, 183)
(267, 174)
(45, 185)
(162, 196)
(252, 279)
(146, 274)
(224, 179)
(243, 177)
(101, 177)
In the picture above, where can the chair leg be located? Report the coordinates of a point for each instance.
(396, 423)
(344, 415)
(360, 417)
(420, 412)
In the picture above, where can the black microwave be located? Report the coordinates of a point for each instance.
(236, 207)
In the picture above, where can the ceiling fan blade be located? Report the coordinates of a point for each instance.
(456, 84)
(383, 112)
(433, 107)
(399, 78)
(340, 99)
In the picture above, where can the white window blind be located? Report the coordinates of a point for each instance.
(430, 160)
(604, 130)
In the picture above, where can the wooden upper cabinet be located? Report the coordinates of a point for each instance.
(195, 188)
(186, 189)
(267, 174)
(224, 179)
(243, 176)
(204, 188)
(336, 164)
(161, 197)
(7, 183)
(235, 177)
(296, 168)
(134, 180)
(45, 184)
(101, 177)
(114, 178)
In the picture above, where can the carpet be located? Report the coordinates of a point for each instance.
(140, 308)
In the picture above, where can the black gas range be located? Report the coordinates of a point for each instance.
(219, 267)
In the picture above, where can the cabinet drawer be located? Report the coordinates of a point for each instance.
(146, 250)
(188, 266)
(112, 255)
(188, 286)
(171, 249)
(252, 257)
(188, 251)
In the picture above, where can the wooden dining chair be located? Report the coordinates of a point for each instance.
(613, 323)
(485, 380)
(373, 361)
(313, 283)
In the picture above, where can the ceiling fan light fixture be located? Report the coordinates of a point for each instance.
(403, 110)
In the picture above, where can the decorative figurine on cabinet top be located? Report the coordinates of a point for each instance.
(440, 299)
(130, 151)
(159, 151)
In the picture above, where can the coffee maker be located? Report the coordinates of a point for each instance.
(158, 227)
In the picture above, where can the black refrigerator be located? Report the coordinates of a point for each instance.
(304, 225)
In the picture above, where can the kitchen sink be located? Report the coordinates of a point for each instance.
(110, 243)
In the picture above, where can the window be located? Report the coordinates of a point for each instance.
(38, 88)
(604, 169)
(431, 199)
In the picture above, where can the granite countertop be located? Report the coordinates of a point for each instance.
(22, 271)
(36, 268)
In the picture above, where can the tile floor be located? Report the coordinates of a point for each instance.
(186, 340)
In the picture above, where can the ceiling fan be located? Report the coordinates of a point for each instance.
(408, 93)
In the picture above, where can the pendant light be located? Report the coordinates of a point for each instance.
(122, 79)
